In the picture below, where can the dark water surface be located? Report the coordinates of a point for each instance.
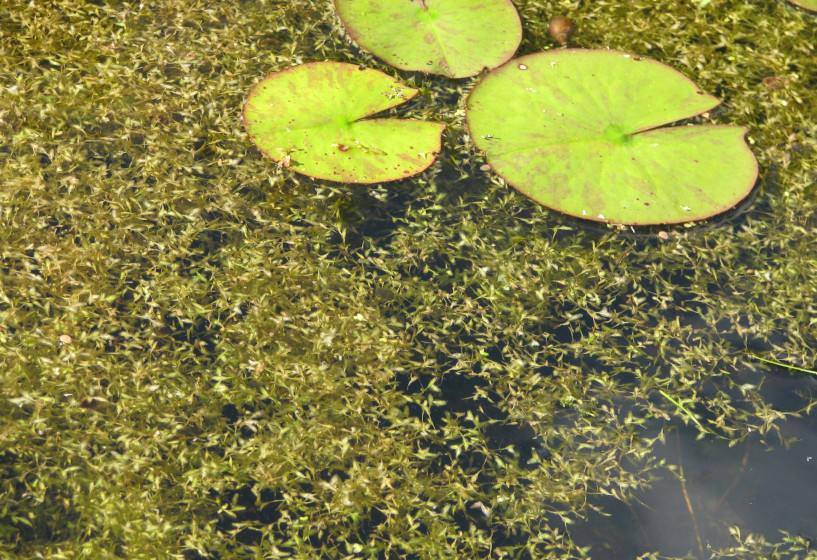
(755, 487)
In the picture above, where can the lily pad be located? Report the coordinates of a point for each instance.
(575, 130)
(308, 118)
(455, 38)
(810, 5)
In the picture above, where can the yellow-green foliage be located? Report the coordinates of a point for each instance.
(205, 356)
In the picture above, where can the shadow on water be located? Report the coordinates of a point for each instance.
(755, 486)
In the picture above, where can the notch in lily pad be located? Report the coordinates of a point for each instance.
(578, 131)
(455, 38)
(309, 119)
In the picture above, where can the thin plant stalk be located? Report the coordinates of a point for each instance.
(683, 409)
(781, 364)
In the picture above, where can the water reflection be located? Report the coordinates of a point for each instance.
(759, 487)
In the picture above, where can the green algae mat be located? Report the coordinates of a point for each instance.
(207, 355)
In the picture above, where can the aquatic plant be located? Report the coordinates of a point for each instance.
(308, 119)
(810, 5)
(577, 131)
(261, 366)
(784, 365)
(455, 38)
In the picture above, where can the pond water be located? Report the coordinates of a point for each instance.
(754, 487)
(204, 355)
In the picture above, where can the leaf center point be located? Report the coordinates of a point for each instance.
(617, 134)
(344, 123)
(427, 14)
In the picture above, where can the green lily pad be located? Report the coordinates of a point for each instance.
(810, 5)
(455, 38)
(308, 118)
(575, 130)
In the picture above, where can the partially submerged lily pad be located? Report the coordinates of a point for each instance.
(575, 130)
(455, 38)
(810, 5)
(308, 118)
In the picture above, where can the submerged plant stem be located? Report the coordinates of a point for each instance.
(737, 478)
(781, 364)
(686, 498)
(686, 411)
